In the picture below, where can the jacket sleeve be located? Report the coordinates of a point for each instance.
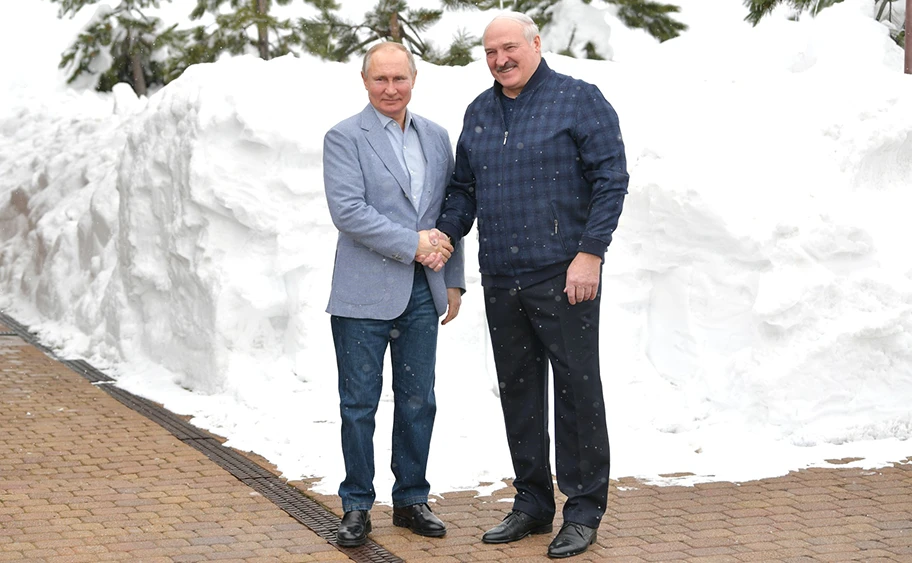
(601, 148)
(458, 213)
(345, 187)
(454, 270)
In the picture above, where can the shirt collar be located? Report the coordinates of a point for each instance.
(385, 120)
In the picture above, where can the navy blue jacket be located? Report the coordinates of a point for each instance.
(550, 186)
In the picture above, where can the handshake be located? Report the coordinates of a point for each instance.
(434, 249)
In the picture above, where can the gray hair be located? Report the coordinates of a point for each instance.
(529, 28)
(365, 64)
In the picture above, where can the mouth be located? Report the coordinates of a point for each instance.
(506, 68)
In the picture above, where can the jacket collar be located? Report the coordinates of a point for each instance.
(385, 119)
(378, 140)
(540, 75)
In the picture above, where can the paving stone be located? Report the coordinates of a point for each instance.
(84, 479)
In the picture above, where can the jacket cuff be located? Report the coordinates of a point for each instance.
(449, 230)
(592, 246)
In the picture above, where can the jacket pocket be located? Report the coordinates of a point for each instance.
(359, 275)
(555, 226)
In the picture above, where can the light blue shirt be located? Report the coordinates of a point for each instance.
(407, 147)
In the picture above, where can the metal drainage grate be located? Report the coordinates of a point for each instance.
(291, 500)
(24, 333)
(86, 370)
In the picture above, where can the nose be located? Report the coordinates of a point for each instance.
(390, 87)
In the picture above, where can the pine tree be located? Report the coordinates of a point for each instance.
(120, 44)
(248, 27)
(538, 10)
(589, 49)
(459, 53)
(653, 17)
(758, 9)
(896, 21)
(334, 38)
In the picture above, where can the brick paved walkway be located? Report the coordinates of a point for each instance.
(806, 516)
(83, 478)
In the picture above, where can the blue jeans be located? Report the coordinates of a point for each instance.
(360, 348)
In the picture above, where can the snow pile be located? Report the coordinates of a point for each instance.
(758, 284)
(217, 198)
(762, 248)
(59, 219)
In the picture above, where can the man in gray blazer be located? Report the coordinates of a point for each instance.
(385, 171)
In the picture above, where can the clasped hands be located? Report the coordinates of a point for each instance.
(434, 249)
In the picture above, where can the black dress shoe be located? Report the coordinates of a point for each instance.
(353, 528)
(515, 526)
(419, 519)
(572, 539)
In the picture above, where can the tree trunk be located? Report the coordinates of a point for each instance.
(262, 30)
(396, 33)
(908, 36)
(139, 78)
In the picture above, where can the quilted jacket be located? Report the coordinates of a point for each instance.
(550, 186)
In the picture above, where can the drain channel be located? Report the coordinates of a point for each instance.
(291, 500)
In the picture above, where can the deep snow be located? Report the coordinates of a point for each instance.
(757, 298)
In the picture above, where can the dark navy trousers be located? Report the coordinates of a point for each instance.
(532, 328)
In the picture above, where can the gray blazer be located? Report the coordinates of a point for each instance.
(368, 195)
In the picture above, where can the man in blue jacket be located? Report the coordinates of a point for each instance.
(540, 163)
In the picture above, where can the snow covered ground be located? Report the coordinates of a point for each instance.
(757, 301)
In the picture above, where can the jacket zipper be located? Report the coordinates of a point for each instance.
(503, 158)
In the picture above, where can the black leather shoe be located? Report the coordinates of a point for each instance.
(419, 519)
(515, 526)
(353, 528)
(572, 539)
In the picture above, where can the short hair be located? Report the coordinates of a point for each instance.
(529, 28)
(365, 64)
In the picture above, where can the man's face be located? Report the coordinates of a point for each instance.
(389, 83)
(511, 58)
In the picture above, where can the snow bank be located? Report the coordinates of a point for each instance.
(758, 284)
(761, 255)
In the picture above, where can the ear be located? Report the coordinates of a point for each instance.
(536, 43)
(364, 79)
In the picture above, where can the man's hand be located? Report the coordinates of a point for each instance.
(583, 278)
(434, 249)
(454, 301)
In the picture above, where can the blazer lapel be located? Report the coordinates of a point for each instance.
(379, 141)
(428, 146)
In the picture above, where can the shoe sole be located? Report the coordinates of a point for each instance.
(546, 529)
(355, 543)
(404, 523)
(565, 555)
